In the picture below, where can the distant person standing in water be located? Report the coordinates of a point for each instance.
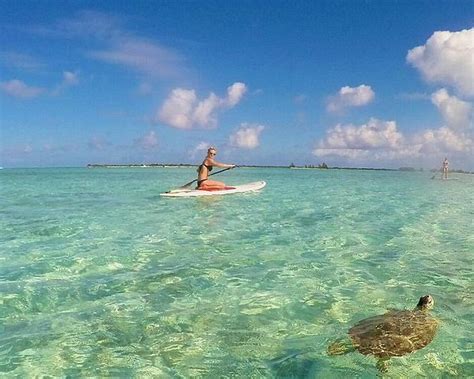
(204, 183)
(445, 168)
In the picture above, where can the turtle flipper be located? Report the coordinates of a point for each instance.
(340, 347)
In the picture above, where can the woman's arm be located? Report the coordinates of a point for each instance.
(218, 164)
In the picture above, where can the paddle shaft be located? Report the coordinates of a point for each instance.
(441, 171)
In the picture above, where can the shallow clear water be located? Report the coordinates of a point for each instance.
(100, 276)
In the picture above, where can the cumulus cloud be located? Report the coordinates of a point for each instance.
(234, 94)
(183, 110)
(204, 112)
(19, 89)
(356, 141)
(147, 142)
(442, 141)
(456, 136)
(380, 140)
(350, 97)
(178, 108)
(247, 136)
(456, 113)
(447, 58)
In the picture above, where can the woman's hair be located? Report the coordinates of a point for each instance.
(211, 148)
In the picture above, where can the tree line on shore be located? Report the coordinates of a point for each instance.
(323, 166)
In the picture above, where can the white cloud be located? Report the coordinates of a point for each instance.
(98, 143)
(247, 136)
(442, 141)
(177, 110)
(323, 151)
(200, 147)
(20, 61)
(141, 55)
(235, 93)
(456, 136)
(117, 44)
(447, 58)
(456, 113)
(204, 112)
(350, 97)
(381, 141)
(19, 89)
(70, 79)
(376, 140)
(183, 110)
(375, 134)
(147, 142)
(86, 23)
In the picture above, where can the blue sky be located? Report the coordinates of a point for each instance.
(349, 83)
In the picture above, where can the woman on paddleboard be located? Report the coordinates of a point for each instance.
(445, 168)
(204, 183)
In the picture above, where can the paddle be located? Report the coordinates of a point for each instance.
(434, 176)
(195, 180)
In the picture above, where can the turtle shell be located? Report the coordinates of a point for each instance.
(394, 333)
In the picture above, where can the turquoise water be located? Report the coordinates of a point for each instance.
(101, 277)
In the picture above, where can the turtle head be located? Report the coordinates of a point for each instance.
(426, 302)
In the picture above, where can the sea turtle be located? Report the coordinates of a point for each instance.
(393, 334)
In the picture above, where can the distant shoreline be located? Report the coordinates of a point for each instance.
(185, 165)
(293, 167)
(165, 165)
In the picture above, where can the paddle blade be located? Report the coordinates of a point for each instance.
(187, 185)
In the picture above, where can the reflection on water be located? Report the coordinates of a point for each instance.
(101, 277)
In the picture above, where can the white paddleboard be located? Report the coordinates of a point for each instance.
(235, 189)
